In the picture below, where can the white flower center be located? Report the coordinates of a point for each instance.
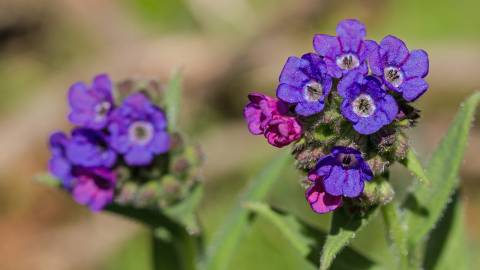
(313, 91)
(102, 110)
(393, 75)
(348, 61)
(363, 105)
(141, 132)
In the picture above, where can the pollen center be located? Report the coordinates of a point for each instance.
(393, 75)
(102, 110)
(140, 132)
(348, 61)
(363, 106)
(348, 160)
(313, 91)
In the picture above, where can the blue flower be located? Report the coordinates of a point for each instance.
(348, 51)
(401, 70)
(366, 104)
(343, 173)
(138, 130)
(304, 82)
(90, 106)
(89, 148)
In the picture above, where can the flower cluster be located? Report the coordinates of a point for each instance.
(345, 107)
(120, 148)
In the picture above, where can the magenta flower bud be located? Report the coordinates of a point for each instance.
(282, 130)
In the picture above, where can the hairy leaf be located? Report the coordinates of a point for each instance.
(412, 163)
(173, 96)
(446, 247)
(426, 204)
(307, 240)
(226, 239)
(344, 227)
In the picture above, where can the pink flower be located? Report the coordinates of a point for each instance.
(269, 116)
(320, 201)
(282, 130)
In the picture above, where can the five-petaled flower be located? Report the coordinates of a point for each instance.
(401, 70)
(138, 130)
(342, 173)
(348, 51)
(305, 82)
(366, 104)
(90, 106)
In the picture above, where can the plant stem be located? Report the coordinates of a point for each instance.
(172, 250)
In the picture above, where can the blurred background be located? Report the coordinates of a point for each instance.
(225, 48)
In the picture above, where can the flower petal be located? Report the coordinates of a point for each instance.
(326, 45)
(320, 201)
(353, 185)
(416, 65)
(413, 88)
(334, 182)
(394, 49)
(309, 108)
(289, 93)
(292, 73)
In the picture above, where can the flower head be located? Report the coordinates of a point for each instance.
(401, 70)
(94, 187)
(138, 130)
(347, 52)
(366, 104)
(342, 172)
(90, 106)
(89, 148)
(304, 82)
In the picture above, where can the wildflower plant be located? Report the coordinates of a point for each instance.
(345, 109)
(125, 155)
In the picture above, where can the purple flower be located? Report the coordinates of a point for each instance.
(58, 164)
(342, 173)
(259, 111)
(94, 188)
(269, 116)
(401, 70)
(90, 106)
(348, 51)
(138, 130)
(366, 104)
(320, 201)
(282, 130)
(89, 148)
(304, 82)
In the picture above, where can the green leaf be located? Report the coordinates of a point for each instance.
(48, 179)
(426, 204)
(173, 95)
(343, 229)
(288, 226)
(184, 211)
(226, 239)
(446, 248)
(307, 240)
(412, 163)
(397, 233)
